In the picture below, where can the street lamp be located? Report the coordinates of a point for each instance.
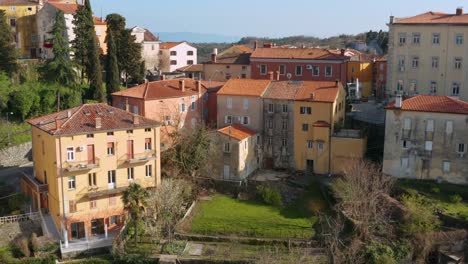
(8, 130)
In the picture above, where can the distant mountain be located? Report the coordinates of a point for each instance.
(196, 37)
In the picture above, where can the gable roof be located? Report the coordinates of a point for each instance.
(169, 45)
(232, 58)
(246, 87)
(99, 21)
(236, 49)
(238, 132)
(296, 53)
(433, 18)
(316, 91)
(82, 120)
(17, 2)
(432, 103)
(191, 68)
(148, 36)
(282, 90)
(67, 8)
(162, 89)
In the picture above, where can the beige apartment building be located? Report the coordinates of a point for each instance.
(84, 158)
(426, 138)
(427, 55)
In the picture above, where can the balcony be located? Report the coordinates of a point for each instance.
(35, 184)
(112, 188)
(138, 158)
(73, 166)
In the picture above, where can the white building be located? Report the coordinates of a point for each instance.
(149, 47)
(175, 55)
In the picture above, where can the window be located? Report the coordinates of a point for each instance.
(271, 108)
(130, 131)
(147, 143)
(449, 127)
(111, 176)
(190, 52)
(45, 177)
(182, 107)
(456, 88)
(435, 62)
(113, 220)
(110, 133)
(227, 76)
(298, 70)
(93, 204)
(229, 103)
(430, 125)
(459, 39)
(270, 141)
(404, 162)
(305, 127)
(263, 69)
(152, 47)
(135, 109)
(282, 69)
(401, 61)
(305, 110)
(353, 69)
(328, 71)
(245, 120)
(228, 119)
(130, 173)
(13, 22)
(458, 63)
(285, 108)
(149, 170)
(433, 87)
(428, 146)
(412, 85)
(461, 148)
(70, 153)
(227, 147)
(193, 104)
(284, 124)
(173, 53)
(71, 183)
(405, 144)
(270, 124)
(110, 149)
(446, 166)
(416, 38)
(310, 144)
(243, 76)
(72, 206)
(173, 62)
(320, 146)
(92, 179)
(402, 39)
(12, 8)
(190, 62)
(436, 39)
(407, 124)
(315, 70)
(284, 142)
(415, 62)
(43, 147)
(246, 103)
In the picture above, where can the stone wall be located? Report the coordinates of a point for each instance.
(16, 155)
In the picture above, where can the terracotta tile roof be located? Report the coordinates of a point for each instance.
(243, 48)
(246, 87)
(191, 68)
(355, 55)
(382, 58)
(161, 89)
(169, 45)
(296, 53)
(321, 123)
(432, 103)
(213, 85)
(283, 90)
(148, 36)
(320, 91)
(99, 21)
(82, 120)
(17, 2)
(434, 18)
(67, 8)
(238, 132)
(232, 58)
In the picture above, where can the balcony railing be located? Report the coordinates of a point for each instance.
(139, 157)
(84, 165)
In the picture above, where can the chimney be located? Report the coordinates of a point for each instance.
(459, 11)
(136, 120)
(392, 18)
(268, 45)
(58, 124)
(270, 74)
(182, 85)
(213, 58)
(162, 77)
(277, 77)
(342, 52)
(127, 106)
(199, 85)
(312, 96)
(68, 114)
(98, 122)
(336, 82)
(398, 101)
(255, 44)
(303, 46)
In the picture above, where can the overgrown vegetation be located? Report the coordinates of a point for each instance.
(269, 195)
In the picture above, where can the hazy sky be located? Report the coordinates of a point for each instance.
(271, 18)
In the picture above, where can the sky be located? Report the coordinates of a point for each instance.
(268, 18)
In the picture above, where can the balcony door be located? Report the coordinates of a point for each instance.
(130, 149)
(91, 159)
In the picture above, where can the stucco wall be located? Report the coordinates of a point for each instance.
(220, 72)
(254, 111)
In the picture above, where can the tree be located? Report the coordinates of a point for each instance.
(5, 90)
(112, 67)
(115, 27)
(81, 41)
(60, 69)
(134, 199)
(8, 55)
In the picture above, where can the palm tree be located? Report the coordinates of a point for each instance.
(134, 199)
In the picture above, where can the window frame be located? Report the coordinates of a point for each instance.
(263, 69)
(71, 183)
(149, 170)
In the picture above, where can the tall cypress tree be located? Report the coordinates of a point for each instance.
(8, 53)
(80, 43)
(112, 67)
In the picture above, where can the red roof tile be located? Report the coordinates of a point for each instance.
(82, 120)
(67, 8)
(432, 103)
(296, 53)
(99, 21)
(17, 2)
(191, 68)
(433, 18)
(232, 58)
(321, 123)
(161, 89)
(238, 132)
(169, 45)
(246, 87)
(316, 91)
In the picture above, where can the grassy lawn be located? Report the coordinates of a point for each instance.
(224, 215)
(440, 195)
(19, 133)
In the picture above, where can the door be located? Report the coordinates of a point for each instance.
(77, 230)
(226, 172)
(91, 154)
(97, 226)
(130, 149)
(310, 167)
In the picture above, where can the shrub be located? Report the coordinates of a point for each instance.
(16, 201)
(456, 198)
(377, 253)
(34, 243)
(23, 247)
(419, 218)
(269, 195)
(435, 190)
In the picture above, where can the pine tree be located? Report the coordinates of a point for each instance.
(8, 53)
(112, 67)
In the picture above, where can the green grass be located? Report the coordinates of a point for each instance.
(19, 133)
(227, 216)
(440, 199)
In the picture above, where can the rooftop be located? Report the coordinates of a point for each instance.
(169, 45)
(296, 53)
(434, 18)
(233, 58)
(191, 68)
(303, 91)
(67, 8)
(432, 103)
(238, 132)
(246, 87)
(82, 120)
(17, 2)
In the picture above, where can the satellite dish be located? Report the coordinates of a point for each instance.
(289, 76)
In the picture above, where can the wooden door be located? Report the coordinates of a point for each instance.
(91, 154)
(130, 149)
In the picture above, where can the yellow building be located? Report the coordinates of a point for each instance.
(84, 158)
(319, 109)
(21, 16)
(359, 68)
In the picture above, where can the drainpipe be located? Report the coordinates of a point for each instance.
(330, 139)
(65, 236)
